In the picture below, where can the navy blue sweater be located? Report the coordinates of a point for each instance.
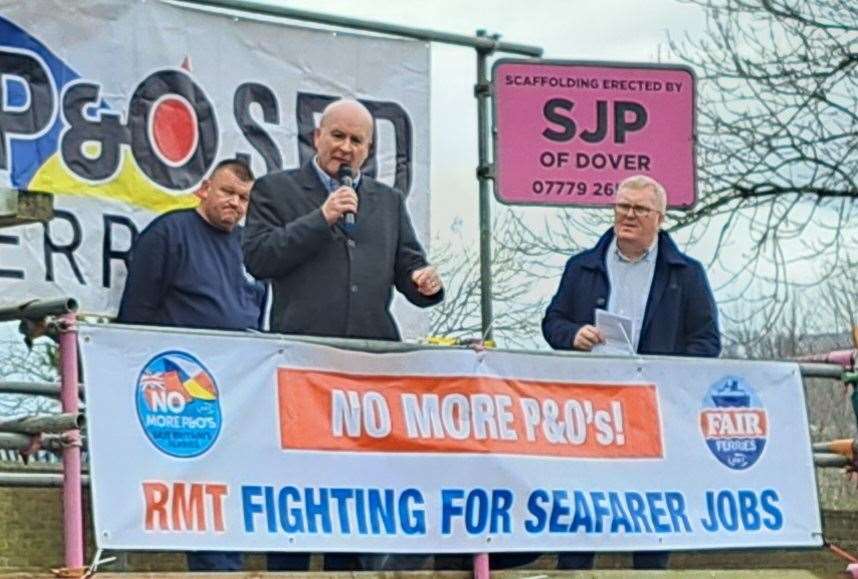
(184, 272)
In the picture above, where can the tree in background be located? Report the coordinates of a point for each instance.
(36, 364)
(778, 142)
(517, 314)
(777, 124)
(804, 330)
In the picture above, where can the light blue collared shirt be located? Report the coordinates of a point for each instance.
(329, 182)
(631, 281)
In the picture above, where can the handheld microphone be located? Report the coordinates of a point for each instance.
(346, 179)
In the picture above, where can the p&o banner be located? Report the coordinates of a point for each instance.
(204, 440)
(120, 108)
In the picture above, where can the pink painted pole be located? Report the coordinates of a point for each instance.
(845, 358)
(72, 504)
(481, 566)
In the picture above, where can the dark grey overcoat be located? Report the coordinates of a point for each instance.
(327, 283)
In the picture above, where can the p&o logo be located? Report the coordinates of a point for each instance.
(734, 423)
(177, 404)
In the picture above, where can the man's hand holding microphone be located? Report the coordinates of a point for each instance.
(342, 202)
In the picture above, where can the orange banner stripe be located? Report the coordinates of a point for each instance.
(378, 413)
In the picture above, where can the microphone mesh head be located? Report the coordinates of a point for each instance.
(344, 171)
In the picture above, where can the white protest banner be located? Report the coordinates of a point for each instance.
(202, 440)
(121, 108)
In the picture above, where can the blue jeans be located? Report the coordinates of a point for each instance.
(373, 562)
(224, 561)
(640, 560)
(510, 560)
(215, 561)
(288, 562)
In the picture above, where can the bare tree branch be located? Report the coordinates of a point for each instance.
(517, 314)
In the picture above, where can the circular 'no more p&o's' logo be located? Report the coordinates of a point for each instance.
(177, 403)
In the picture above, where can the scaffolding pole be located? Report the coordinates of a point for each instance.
(72, 502)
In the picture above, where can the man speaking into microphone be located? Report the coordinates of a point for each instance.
(336, 242)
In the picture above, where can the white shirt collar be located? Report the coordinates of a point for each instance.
(648, 255)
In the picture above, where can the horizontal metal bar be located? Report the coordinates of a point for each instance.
(34, 479)
(483, 43)
(383, 346)
(829, 460)
(38, 424)
(19, 442)
(14, 441)
(50, 389)
(38, 309)
(845, 447)
(819, 370)
(843, 358)
(374, 346)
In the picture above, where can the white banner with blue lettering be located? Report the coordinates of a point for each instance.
(203, 440)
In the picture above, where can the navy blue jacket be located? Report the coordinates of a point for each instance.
(680, 318)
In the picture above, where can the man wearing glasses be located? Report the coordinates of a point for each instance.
(636, 271)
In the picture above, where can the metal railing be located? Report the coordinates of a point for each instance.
(58, 432)
(838, 365)
(61, 433)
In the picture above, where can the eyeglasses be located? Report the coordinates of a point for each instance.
(639, 210)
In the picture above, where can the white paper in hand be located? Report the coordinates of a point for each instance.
(617, 331)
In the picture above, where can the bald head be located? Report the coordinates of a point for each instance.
(343, 137)
(348, 108)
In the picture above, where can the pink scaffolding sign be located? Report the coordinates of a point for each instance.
(566, 133)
